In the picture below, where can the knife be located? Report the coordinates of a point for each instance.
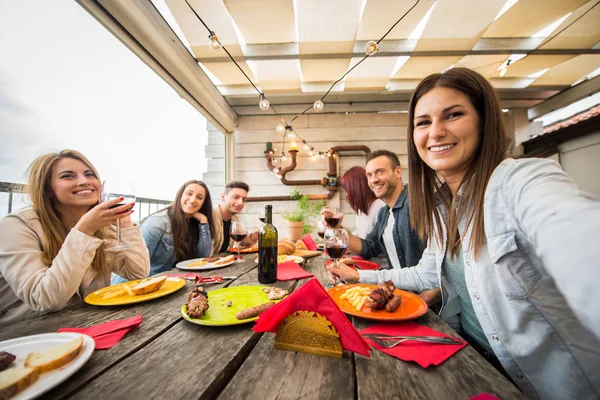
(440, 339)
(211, 279)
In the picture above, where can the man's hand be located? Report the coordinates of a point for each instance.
(431, 297)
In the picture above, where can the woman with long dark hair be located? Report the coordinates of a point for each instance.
(181, 231)
(54, 252)
(361, 199)
(512, 242)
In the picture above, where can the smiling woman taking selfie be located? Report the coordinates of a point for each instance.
(54, 251)
(512, 242)
(181, 231)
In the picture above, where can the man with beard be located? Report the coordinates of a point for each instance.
(392, 234)
(233, 202)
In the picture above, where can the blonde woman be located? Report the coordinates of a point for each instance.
(53, 253)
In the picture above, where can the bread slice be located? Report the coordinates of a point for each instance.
(14, 380)
(54, 357)
(225, 260)
(149, 286)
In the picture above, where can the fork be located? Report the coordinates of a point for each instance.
(389, 342)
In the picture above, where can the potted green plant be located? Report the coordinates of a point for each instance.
(300, 220)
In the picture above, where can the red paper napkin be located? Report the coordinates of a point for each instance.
(313, 297)
(289, 270)
(309, 242)
(185, 275)
(484, 396)
(424, 354)
(107, 334)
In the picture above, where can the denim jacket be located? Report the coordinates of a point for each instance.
(534, 286)
(408, 244)
(156, 230)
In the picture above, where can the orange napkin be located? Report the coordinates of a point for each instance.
(424, 354)
(313, 297)
(309, 242)
(289, 270)
(107, 334)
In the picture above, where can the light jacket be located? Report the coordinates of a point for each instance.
(217, 236)
(408, 244)
(156, 230)
(534, 286)
(28, 287)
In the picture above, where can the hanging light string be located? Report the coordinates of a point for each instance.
(371, 48)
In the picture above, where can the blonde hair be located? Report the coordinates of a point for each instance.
(39, 188)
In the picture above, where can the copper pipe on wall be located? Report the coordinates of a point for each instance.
(330, 181)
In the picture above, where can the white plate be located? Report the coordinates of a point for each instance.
(296, 259)
(184, 265)
(21, 347)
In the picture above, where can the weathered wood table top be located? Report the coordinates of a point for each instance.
(168, 357)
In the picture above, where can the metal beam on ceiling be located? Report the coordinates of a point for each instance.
(564, 98)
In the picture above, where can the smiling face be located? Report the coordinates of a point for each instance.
(383, 180)
(192, 198)
(234, 200)
(446, 132)
(74, 184)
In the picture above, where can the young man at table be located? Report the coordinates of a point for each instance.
(233, 202)
(392, 234)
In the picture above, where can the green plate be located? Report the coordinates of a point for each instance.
(218, 314)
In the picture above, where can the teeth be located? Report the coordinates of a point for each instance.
(87, 191)
(441, 148)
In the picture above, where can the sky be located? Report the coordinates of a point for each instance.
(66, 82)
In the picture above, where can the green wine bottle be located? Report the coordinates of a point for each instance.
(267, 249)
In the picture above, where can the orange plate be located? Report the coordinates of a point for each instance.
(252, 249)
(411, 306)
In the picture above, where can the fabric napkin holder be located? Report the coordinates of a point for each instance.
(312, 297)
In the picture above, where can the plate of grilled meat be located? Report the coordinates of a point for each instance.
(381, 302)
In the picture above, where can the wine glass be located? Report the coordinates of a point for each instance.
(336, 243)
(117, 189)
(261, 214)
(238, 232)
(332, 216)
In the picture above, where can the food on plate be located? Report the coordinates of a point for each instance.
(393, 303)
(254, 311)
(225, 260)
(14, 380)
(6, 359)
(379, 297)
(286, 246)
(301, 245)
(356, 295)
(54, 357)
(197, 302)
(276, 293)
(229, 303)
(149, 286)
(198, 263)
(211, 259)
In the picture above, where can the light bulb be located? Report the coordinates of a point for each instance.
(311, 153)
(318, 106)
(214, 42)
(293, 146)
(280, 129)
(328, 154)
(306, 146)
(371, 47)
(276, 170)
(290, 133)
(263, 103)
(283, 159)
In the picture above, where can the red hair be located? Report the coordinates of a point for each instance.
(358, 193)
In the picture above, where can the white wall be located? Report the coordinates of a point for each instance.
(375, 130)
(580, 158)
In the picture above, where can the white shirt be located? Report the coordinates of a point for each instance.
(388, 241)
(366, 222)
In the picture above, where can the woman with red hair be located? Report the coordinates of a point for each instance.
(361, 199)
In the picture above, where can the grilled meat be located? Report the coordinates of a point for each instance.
(376, 300)
(388, 289)
(393, 304)
(6, 359)
(197, 302)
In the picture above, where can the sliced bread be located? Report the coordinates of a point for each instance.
(149, 286)
(54, 357)
(13, 380)
(225, 260)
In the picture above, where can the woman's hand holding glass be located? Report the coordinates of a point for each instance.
(102, 216)
(332, 216)
(122, 192)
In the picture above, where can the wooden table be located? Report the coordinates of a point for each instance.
(168, 357)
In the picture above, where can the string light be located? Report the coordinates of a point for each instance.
(318, 106)
(306, 146)
(276, 170)
(371, 48)
(213, 42)
(280, 129)
(263, 102)
(290, 134)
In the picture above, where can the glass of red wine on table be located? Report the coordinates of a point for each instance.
(261, 214)
(238, 232)
(110, 191)
(332, 216)
(336, 243)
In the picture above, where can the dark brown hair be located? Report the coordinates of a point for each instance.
(185, 229)
(237, 185)
(385, 153)
(358, 193)
(425, 182)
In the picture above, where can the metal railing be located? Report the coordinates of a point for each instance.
(144, 205)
